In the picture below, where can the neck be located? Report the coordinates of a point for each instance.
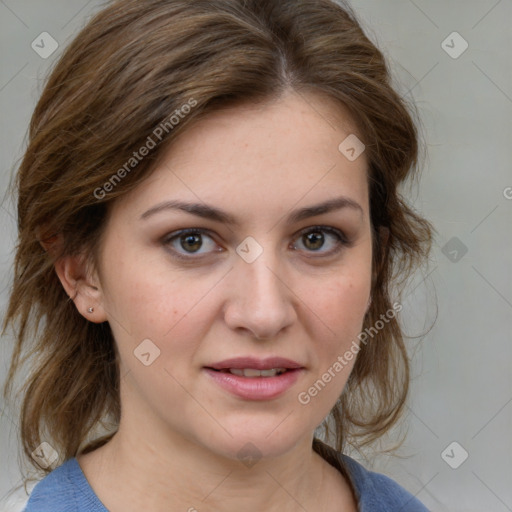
(149, 466)
(190, 477)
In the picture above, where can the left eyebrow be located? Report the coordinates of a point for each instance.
(212, 213)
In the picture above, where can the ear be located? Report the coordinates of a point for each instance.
(82, 285)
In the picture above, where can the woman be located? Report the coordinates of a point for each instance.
(209, 237)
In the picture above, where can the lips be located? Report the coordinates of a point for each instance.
(252, 363)
(255, 379)
(252, 372)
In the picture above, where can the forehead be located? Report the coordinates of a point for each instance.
(277, 126)
(271, 155)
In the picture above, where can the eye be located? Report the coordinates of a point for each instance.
(314, 239)
(187, 242)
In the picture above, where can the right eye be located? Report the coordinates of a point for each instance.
(187, 242)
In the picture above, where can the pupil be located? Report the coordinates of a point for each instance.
(190, 241)
(315, 238)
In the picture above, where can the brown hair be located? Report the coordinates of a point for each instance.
(134, 65)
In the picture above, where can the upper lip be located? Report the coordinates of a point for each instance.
(255, 363)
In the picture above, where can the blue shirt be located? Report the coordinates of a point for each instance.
(66, 489)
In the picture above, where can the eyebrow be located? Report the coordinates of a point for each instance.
(212, 213)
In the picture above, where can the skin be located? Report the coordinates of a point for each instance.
(179, 435)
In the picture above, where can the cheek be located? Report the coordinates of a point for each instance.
(341, 306)
(337, 316)
(141, 295)
(172, 311)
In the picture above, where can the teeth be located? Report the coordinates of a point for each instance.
(250, 372)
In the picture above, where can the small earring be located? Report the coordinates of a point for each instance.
(90, 310)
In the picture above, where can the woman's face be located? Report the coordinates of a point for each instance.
(257, 276)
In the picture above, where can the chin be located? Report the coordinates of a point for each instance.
(253, 440)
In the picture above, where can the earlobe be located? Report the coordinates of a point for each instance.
(82, 286)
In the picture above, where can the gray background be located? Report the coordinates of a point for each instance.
(462, 379)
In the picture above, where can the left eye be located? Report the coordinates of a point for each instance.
(313, 239)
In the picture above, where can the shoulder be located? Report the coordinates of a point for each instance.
(65, 489)
(375, 492)
(55, 492)
(379, 492)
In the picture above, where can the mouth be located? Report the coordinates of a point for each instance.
(255, 379)
(252, 373)
(251, 365)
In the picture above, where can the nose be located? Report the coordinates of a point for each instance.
(261, 302)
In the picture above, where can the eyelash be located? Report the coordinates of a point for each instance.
(341, 242)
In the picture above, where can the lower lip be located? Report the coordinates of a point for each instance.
(255, 388)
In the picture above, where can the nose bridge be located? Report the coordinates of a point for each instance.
(261, 302)
(262, 277)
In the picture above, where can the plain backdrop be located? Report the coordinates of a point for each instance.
(453, 58)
